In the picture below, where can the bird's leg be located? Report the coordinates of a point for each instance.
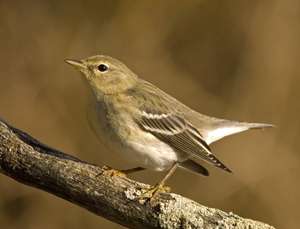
(153, 191)
(114, 172)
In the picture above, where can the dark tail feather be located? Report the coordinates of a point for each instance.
(193, 166)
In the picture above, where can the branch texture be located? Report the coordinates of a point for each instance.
(114, 197)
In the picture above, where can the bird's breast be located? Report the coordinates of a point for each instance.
(116, 129)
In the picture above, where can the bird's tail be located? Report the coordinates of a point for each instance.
(223, 128)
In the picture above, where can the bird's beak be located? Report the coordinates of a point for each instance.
(79, 65)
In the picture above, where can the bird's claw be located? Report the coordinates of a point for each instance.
(112, 172)
(152, 192)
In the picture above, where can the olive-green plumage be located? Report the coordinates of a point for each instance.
(150, 127)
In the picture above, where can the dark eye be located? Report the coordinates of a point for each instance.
(102, 68)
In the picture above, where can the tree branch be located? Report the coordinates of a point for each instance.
(30, 162)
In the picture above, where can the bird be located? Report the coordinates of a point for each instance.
(149, 127)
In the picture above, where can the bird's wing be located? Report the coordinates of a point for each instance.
(163, 116)
(177, 132)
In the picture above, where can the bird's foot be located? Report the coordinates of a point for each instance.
(112, 172)
(152, 192)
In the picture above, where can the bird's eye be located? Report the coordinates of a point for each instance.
(102, 68)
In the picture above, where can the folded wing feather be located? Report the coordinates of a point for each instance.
(179, 134)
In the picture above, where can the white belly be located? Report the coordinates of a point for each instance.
(151, 153)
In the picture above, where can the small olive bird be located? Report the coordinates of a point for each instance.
(150, 127)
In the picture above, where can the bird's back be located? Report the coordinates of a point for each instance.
(211, 128)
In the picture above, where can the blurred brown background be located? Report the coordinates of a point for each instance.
(232, 59)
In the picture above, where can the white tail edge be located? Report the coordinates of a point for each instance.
(226, 128)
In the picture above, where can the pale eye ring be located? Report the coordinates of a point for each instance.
(102, 67)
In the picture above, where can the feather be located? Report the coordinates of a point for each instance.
(220, 128)
(178, 133)
(193, 166)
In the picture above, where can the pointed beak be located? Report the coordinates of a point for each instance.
(79, 65)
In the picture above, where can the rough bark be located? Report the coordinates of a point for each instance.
(114, 197)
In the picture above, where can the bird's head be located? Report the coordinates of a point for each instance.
(105, 74)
